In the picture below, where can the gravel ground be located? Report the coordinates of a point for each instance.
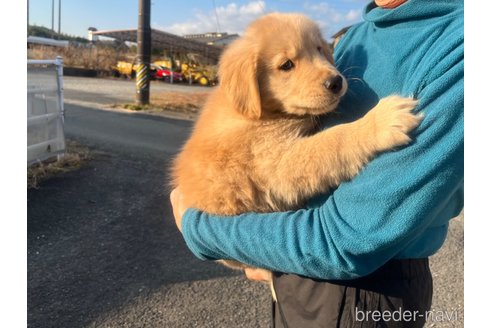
(447, 268)
(103, 249)
(104, 252)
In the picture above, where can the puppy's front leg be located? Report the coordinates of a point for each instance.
(316, 163)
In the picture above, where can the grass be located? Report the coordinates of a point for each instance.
(75, 157)
(184, 102)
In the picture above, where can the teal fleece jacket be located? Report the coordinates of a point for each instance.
(400, 205)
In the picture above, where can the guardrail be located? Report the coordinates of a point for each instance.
(45, 113)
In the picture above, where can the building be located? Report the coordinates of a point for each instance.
(91, 36)
(216, 39)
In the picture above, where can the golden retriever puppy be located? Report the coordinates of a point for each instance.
(255, 146)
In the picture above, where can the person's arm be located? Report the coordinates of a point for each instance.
(385, 212)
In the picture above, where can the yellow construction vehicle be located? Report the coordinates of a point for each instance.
(123, 68)
(192, 73)
(203, 75)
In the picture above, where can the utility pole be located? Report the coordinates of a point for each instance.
(143, 55)
(59, 17)
(53, 19)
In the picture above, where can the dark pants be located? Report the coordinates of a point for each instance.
(396, 295)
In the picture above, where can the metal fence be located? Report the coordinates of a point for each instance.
(45, 115)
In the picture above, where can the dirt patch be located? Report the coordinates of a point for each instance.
(183, 102)
(75, 157)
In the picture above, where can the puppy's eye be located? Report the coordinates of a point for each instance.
(287, 66)
(320, 49)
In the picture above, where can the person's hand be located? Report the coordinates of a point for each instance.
(179, 206)
(255, 274)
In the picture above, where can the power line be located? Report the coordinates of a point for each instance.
(261, 6)
(216, 17)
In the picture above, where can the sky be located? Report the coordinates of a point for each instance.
(189, 16)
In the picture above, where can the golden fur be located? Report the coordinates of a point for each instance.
(255, 147)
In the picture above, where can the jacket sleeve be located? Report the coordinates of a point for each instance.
(391, 207)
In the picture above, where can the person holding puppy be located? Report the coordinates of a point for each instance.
(362, 250)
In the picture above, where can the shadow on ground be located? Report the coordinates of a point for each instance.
(101, 237)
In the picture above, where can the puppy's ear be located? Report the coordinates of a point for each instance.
(328, 49)
(239, 79)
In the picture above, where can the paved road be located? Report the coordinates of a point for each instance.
(103, 251)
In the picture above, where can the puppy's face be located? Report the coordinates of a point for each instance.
(281, 65)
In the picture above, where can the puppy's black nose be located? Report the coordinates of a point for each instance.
(334, 84)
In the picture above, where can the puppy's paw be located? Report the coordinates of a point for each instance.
(393, 120)
(233, 264)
